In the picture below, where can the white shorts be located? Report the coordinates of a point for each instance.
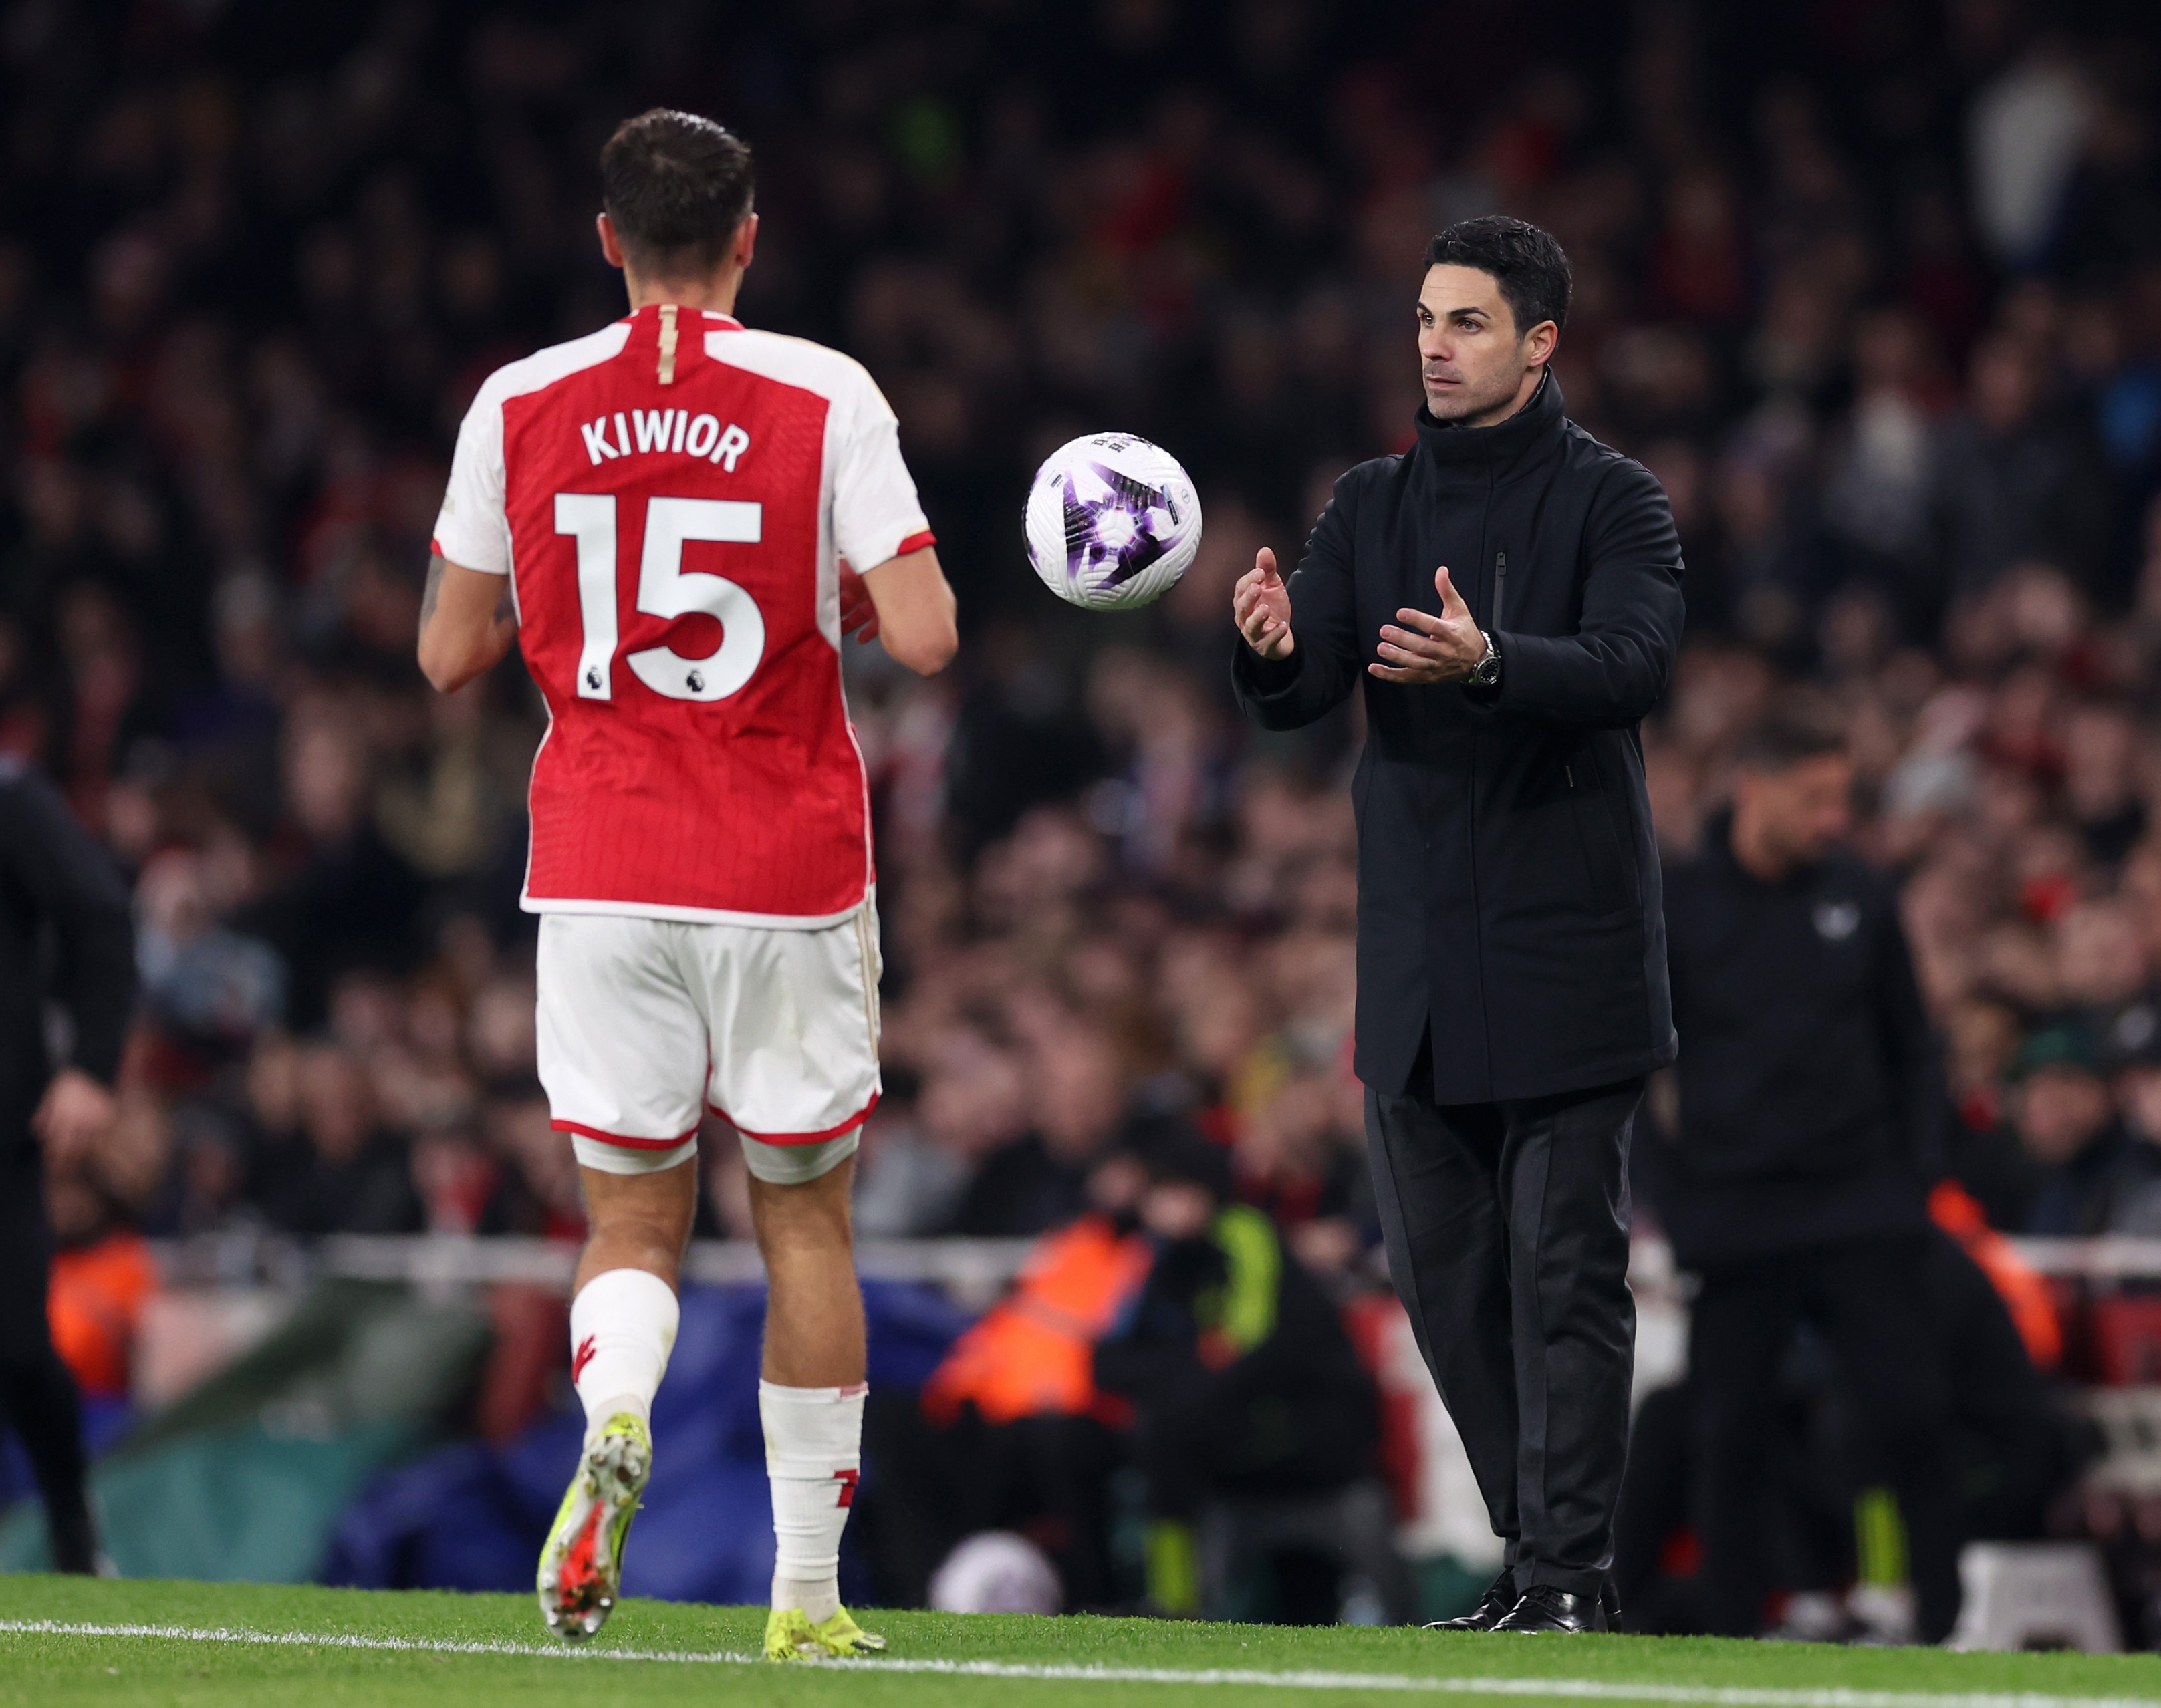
(645, 1024)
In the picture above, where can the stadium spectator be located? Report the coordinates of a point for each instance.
(1038, 1180)
(344, 1173)
(2089, 1166)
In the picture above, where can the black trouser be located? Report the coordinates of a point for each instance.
(38, 1397)
(1506, 1227)
(1870, 1300)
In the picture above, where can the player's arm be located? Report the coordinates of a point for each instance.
(467, 623)
(911, 610)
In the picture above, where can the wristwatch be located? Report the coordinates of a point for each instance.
(1486, 671)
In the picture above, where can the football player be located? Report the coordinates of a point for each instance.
(662, 515)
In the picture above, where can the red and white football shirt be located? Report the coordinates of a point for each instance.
(670, 495)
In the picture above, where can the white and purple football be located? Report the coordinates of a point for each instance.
(1112, 521)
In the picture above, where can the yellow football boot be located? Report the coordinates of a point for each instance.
(581, 1565)
(789, 1635)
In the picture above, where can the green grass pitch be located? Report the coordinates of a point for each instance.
(66, 1641)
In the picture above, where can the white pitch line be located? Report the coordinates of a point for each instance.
(1581, 1689)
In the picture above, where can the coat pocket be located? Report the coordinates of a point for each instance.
(1609, 870)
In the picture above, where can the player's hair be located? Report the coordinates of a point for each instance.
(1528, 264)
(676, 186)
(1799, 726)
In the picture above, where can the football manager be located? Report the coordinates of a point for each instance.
(1507, 594)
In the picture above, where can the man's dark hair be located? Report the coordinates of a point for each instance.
(1797, 728)
(676, 186)
(1528, 264)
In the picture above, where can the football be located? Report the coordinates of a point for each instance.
(1112, 521)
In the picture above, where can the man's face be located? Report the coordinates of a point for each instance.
(1176, 1210)
(1476, 366)
(1800, 813)
(2138, 1095)
(2059, 1108)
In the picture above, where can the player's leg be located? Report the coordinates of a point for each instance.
(811, 1389)
(623, 1306)
(794, 1055)
(622, 1054)
(814, 1313)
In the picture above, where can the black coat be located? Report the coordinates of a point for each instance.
(66, 935)
(1507, 877)
(1812, 1103)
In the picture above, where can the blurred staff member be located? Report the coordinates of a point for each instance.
(1507, 593)
(1796, 1185)
(66, 939)
(1246, 1393)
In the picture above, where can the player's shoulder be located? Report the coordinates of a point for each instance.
(798, 362)
(545, 367)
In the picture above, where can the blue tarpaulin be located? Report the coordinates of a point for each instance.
(473, 1517)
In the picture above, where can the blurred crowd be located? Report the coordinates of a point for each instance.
(1876, 291)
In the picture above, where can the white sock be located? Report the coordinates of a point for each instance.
(813, 1449)
(623, 1327)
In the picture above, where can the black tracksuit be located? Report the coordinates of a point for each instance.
(1511, 967)
(1811, 1098)
(66, 939)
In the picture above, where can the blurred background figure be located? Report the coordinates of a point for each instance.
(1011, 1433)
(1255, 1425)
(1809, 1120)
(65, 938)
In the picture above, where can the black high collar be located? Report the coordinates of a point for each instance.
(1504, 441)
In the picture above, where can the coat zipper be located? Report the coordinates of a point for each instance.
(1500, 584)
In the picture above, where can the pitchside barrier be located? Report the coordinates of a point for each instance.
(223, 1294)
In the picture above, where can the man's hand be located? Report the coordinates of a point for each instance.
(1261, 605)
(74, 1114)
(858, 614)
(1430, 649)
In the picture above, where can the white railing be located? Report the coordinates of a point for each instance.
(2109, 1257)
(972, 1271)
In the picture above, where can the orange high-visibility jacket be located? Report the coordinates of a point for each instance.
(1033, 1351)
(94, 1306)
(2025, 1293)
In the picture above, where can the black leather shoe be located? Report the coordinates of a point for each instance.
(1493, 1606)
(1609, 1603)
(1544, 1608)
